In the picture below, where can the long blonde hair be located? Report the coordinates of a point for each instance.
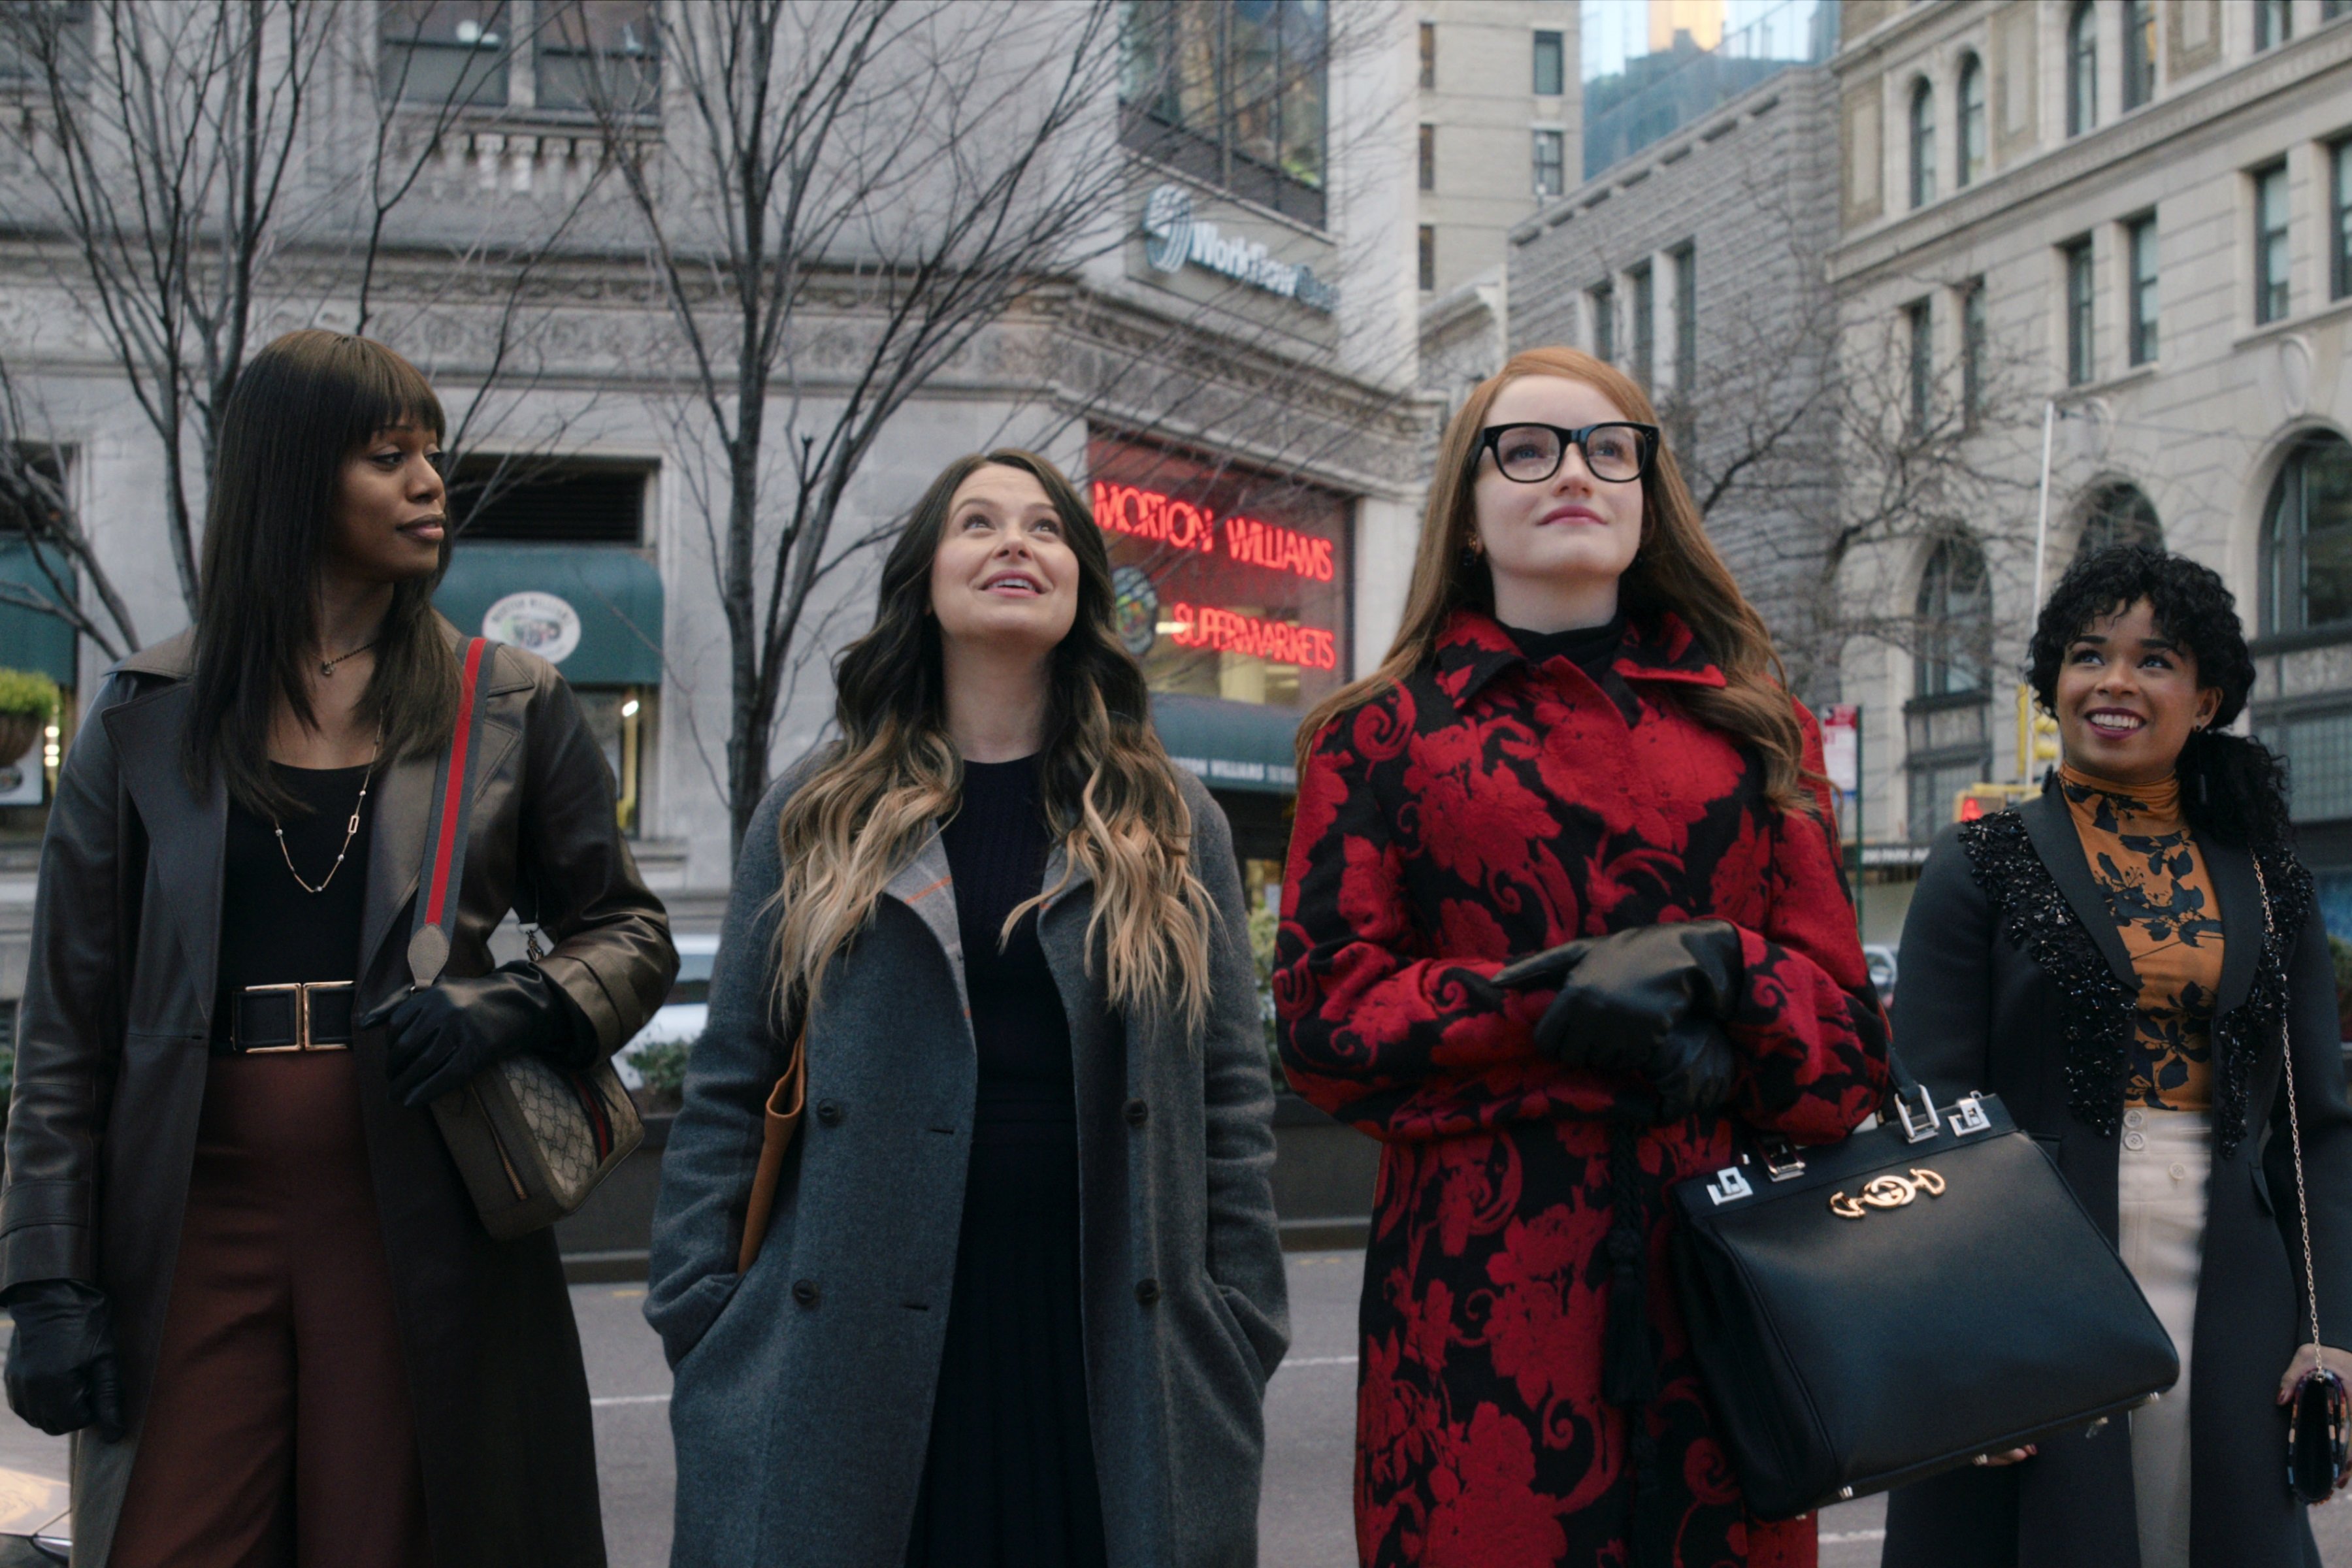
(1675, 569)
(1110, 793)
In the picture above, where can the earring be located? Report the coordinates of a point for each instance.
(1470, 553)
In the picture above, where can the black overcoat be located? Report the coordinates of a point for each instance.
(2012, 977)
(110, 1065)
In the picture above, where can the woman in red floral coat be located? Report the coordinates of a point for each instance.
(1577, 739)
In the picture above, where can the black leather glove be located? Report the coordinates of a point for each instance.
(61, 1367)
(1621, 995)
(439, 1038)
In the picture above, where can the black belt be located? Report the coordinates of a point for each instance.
(301, 1016)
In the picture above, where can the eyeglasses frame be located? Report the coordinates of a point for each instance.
(1490, 438)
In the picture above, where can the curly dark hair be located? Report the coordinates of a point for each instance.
(2232, 786)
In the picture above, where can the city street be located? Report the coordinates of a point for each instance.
(1302, 1522)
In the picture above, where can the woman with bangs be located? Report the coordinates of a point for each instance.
(1022, 1289)
(1564, 910)
(243, 1267)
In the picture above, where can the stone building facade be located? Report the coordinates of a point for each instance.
(1168, 377)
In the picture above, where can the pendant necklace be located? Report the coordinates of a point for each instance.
(350, 828)
(327, 665)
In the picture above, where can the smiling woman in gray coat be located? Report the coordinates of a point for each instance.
(1021, 1289)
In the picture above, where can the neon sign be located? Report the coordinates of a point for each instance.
(1148, 514)
(1230, 631)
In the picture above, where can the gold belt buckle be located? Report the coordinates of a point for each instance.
(302, 1042)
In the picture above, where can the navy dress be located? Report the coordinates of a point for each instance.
(1009, 1480)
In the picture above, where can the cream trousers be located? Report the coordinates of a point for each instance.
(2161, 1173)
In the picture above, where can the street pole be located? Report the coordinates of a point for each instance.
(2041, 556)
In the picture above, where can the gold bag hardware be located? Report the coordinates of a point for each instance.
(1888, 1193)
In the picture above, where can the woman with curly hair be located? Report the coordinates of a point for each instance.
(2123, 960)
(1577, 750)
(1020, 1290)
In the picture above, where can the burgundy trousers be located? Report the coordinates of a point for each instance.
(279, 1433)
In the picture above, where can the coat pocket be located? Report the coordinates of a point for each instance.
(684, 1321)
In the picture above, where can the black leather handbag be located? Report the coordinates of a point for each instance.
(1870, 1312)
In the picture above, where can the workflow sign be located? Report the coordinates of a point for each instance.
(1174, 237)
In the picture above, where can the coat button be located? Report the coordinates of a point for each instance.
(829, 1112)
(1146, 1290)
(805, 1292)
(2132, 1119)
(1137, 1112)
(2134, 1142)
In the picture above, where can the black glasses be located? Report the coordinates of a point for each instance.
(1619, 451)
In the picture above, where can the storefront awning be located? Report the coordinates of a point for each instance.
(593, 611)
(1230, 745)
(29, 638)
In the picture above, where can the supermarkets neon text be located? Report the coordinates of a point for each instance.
(1230, 631)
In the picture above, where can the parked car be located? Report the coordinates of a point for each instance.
(1880, 960)
(681, 1016)
(36, 1525)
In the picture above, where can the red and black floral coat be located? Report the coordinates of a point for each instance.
(1484, 810)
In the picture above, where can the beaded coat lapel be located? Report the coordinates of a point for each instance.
(2097, 1002)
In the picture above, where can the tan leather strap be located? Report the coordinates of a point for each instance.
(785, 1103)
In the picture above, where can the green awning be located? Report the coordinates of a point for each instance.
(594, 611)
(29, 638)
(1230, 745)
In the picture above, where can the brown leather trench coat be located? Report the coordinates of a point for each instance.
(110, 1063)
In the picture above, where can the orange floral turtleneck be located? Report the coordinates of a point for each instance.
(2147, 866)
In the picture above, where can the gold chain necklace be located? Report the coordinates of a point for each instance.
(351, 829)
(327, 665)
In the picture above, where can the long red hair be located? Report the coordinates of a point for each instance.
(1677, 568)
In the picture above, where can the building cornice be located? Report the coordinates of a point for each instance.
(2270, 81)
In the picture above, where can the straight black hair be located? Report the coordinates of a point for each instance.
(300, 408)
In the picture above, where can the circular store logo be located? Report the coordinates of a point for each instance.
(1168, 228)
(1135, 609)
(543, 624)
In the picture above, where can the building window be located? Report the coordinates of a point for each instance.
(1604, 300)
(1429, 55)
(2270, 297)
(1428, 240)
(598, 53)
(1686, 261)
(1551, 163)
(1973, 342)
(2080, 360)
(1428, 157)
(1972, 121)
(1232, 95)
(2141, 248)
(2081, 68)
(1646, 323)
(2308, 537)
(2331, 9)
(2339, 218)
(2274, 23)
(2118, 514)
(1551, 65)
(2139, 52)
(1923, 144)
(1945, 720)
(443, 51)
(1920, 322)
(519, 501)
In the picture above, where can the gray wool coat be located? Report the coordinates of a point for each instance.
(803, 1400)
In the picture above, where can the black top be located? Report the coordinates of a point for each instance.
(271, 931)
(996, 846)
(1592, 649)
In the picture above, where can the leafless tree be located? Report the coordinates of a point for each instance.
(177, 188)
(844, 198)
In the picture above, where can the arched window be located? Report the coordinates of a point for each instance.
(2082, 69)
(2308, 537)
(2139, 52)
(1955, 621)
(1923, 144)
(2118, 514)
(1972, 120)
